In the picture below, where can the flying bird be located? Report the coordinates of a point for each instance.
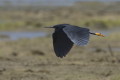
(65, 35)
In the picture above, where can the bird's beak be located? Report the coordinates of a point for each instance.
(49, 27)
(99, 34)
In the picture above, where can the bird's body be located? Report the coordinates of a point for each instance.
(66, 35)
(62, 44)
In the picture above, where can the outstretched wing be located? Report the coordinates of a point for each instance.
(78, 35)
(62, 44)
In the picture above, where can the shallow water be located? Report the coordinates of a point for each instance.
(6, 35)
(18, 35)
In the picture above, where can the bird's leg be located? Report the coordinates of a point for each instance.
(98, 34)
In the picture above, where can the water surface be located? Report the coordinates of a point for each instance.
(18, 35)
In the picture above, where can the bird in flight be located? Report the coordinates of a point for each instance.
(65, 35)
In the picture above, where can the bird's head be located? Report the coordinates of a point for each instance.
(59, 26)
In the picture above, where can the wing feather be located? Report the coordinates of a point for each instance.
(62, 44)
(78, 35)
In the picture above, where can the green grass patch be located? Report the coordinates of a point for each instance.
(11, 25)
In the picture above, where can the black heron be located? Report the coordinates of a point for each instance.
(66, 35)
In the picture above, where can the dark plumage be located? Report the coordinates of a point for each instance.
(66, 35)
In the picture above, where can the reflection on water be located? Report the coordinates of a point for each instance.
(18, 35)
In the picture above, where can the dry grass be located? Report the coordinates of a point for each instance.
(34, 59)
(93, 15)
(29, 59)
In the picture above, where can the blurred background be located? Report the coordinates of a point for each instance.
(26, 49)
